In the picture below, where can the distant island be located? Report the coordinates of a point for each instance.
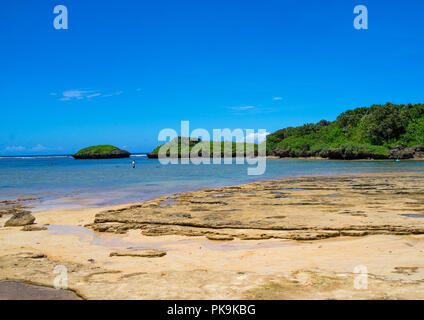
(203, 148)
(101, 152)
(379, 132)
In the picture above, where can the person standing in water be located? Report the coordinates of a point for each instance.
(133, 164)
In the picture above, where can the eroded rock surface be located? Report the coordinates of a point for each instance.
(33, 228)
(20, 219)
(362, 217)
(146, 253)
(14, 206)
(308, 208)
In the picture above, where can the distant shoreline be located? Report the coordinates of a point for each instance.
(144, 154)
(58, 155)
(341, 160)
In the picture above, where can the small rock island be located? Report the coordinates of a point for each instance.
(101, 152)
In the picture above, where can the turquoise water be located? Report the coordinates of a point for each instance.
(59, 181)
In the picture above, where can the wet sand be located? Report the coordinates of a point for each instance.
(15, 290)
(296, 238)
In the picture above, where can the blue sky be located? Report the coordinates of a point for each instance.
(124, 70)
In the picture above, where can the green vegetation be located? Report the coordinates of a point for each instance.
(100, 149)
(101, 152)
(199, 146)
(359, 133)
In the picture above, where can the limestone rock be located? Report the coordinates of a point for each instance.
(33, 228)
(220, 237)
(20, 219)
(400, 152)
(146, 253)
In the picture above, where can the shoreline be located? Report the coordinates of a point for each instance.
(342, 160)
(255, 241)
(150, 180)
(85, 201)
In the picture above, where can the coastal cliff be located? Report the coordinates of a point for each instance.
(101, 152)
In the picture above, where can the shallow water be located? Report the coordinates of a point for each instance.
(116, 241)
(63, 181)
(414, 215)
(88, 235)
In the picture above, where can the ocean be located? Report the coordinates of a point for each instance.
(61, 181)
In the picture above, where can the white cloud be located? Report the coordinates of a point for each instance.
(14, 148)
(94, 95)
(277, 98)
(38, 147)
(76, 94)
(257, 137)
(242, 108)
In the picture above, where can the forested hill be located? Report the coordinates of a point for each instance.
(381, 132)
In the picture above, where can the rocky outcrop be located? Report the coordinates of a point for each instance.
(279, 152)
(118, 153)
(332, 153)
(401, 152)
(308, 208)
(20, 219)
(282, 153)
(145, 253)
(33, 228)
(14, 206)
(346, 154)
(220, 237)
(419, 152)
(341, 153)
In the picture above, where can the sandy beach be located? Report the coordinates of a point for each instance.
(294, 238)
